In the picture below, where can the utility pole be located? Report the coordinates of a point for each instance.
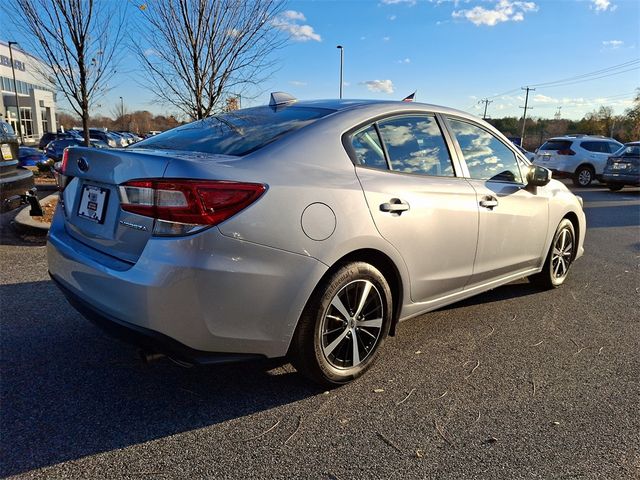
(15, 89)
(524, 115)
(341, 48)
(486, 102)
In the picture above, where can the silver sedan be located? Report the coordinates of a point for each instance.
(308, 229)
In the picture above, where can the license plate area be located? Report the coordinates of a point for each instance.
(619, 166)
(5, 148)
(93, 203)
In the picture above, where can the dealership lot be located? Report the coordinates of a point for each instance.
(512, 383)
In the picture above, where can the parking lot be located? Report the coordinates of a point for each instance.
(514, 383)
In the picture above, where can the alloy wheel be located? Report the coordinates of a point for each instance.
(352, 325)
(562, 254)
(584, 177)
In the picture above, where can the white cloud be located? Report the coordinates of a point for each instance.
(293, 15)
(603, 5)
(613, 44)
(286, 22)
(297, 83)
(411, 3)
(545, 99)
(392, 17)
(384, 86)
(503, 11)
(386, 39)
(405, 60)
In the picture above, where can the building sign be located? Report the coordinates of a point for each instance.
(6, 62)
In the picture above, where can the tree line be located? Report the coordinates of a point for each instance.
(139, 122)
(602, 121)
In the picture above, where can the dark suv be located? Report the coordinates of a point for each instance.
(14, 179)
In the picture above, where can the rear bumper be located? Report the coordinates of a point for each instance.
(14, 185)
(207, 292)
(146, 339)
(620, 179)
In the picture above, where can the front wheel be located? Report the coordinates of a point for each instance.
(343, 325)
(559, 259)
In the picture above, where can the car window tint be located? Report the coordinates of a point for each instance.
(415, 145)
(487, 157)
(613, 147)
(555, 145)
(599, 147)
(367, 147)
(236, 133)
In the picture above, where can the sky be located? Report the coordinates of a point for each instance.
(451, 52)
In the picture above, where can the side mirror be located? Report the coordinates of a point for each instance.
(538, 176)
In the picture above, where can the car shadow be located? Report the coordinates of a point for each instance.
(69, 391)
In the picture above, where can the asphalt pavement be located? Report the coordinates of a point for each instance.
(514, 383)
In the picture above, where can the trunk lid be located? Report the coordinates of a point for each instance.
(92, 200)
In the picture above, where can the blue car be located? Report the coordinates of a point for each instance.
(54, 149)
(30, 157)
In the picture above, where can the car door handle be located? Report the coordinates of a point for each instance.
(489, 202)
(395, 205)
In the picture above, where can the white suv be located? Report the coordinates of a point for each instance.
(580, 157)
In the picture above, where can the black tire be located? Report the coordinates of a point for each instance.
(322, 347)
(615, 188)
(583, 176)
(555, 270)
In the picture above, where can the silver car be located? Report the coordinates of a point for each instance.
(308, 229)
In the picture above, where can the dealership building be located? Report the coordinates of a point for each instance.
(36, 96)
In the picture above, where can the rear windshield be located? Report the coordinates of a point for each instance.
(235, 133)
(628, 151)
(556, 145)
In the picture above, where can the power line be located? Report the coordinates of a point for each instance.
(592, 78)
(596, 72)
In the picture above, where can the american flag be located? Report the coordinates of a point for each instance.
(409, 98)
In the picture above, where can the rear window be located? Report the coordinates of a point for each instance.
(235, 133)
(556, 145)
(628, 151)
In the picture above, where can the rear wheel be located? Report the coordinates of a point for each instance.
(615, 188)
(343, 325)
(559, 259)
(584, 176)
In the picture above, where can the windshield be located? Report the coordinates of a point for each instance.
(628, 151)
(235, 133)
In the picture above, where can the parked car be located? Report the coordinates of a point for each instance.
(121, 140)
(530, 155)
(307, 229)
(105, 136)
(56, 148)
(623, 167)
(51, 136)
(14, 179)
(580, 157)
(31, 157)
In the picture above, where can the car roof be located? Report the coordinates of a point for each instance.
(593, 138)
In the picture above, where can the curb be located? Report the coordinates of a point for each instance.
(23, 219)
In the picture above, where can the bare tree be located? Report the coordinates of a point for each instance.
(196, 53)
(78, 40)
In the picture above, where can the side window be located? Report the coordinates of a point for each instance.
(366, 145)
(487, 157)
(415, 145)
(598, 147)
(613, 147)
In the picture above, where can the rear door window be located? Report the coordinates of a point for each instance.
(596, 147)
(486, 156)
(415, 144)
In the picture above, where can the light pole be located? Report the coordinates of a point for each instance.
(122, 114)
(341, 48)
(15, 89)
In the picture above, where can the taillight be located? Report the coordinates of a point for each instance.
(566, 151)
(185, 206)
(65, 159)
